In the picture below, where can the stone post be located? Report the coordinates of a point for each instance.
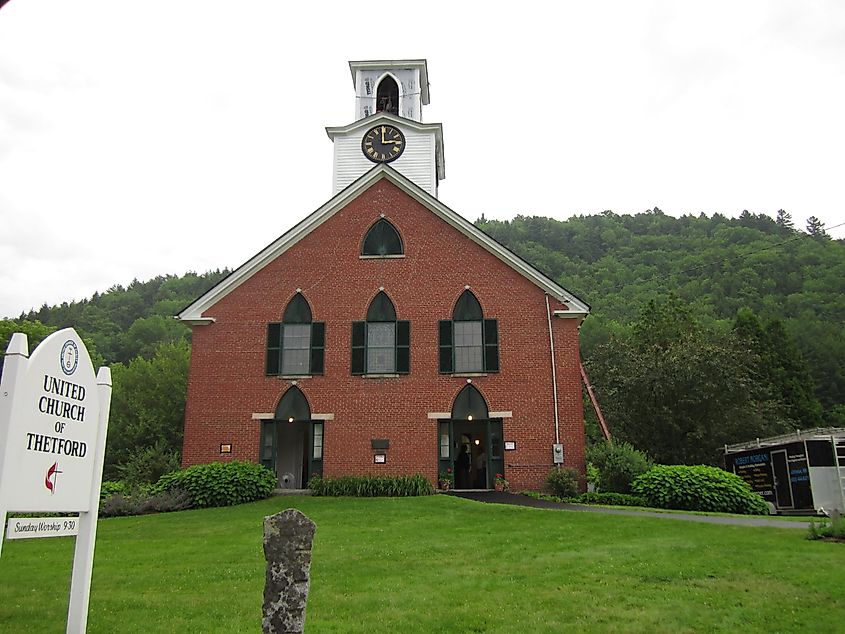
(288, 536)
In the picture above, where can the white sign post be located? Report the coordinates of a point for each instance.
(53, 420)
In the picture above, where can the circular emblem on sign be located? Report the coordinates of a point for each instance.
(70, 357)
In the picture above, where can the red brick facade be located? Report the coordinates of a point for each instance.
(227, 382)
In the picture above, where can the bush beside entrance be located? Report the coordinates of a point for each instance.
(698, 488)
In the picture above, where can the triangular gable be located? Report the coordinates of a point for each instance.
(194, 313)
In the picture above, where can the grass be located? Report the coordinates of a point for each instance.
(436, 564)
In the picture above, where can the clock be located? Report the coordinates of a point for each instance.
(383, 144)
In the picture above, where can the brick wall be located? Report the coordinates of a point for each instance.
(227, 383)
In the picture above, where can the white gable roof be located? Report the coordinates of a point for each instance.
(194, 313)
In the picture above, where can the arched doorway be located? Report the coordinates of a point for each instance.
(292, 443)
(471, 442)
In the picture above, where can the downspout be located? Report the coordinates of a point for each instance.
(554, 370)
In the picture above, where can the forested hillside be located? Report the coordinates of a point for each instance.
(716, 265)
(704, 331)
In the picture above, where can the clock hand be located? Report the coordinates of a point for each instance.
(382, 135)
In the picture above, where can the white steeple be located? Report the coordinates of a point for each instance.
(388, 126)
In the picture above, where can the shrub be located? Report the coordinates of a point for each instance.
(112, 487)
(371, 486)
(618, 463)
(142, 502)
(165, 502)
(611, 499)
(562, 482)
(833, 529)
(220, 483)
(118, 505)
(698, 488)
(148, 464)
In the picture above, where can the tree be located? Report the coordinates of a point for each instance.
(34, 330)
(783, 219)
(781, 366)
(148, 406)
(815, 228)
(679, 391)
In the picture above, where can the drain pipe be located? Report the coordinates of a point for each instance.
(554, 370)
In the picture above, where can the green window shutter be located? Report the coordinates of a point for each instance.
(274, 348)
(267, 450)
(446, 362)
(318, 346)
(359, 347)
(403, 347)
(491, 345)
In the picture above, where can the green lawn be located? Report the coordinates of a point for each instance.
(437, 564)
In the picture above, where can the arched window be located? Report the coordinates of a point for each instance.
(468, 342)
(469, 405)
(387, 96)
(293, 406)
(382, 239)
(381, 344)
(296, 346)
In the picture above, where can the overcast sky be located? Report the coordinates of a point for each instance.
(145, 138)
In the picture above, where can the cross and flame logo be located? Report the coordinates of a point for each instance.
(52, 475)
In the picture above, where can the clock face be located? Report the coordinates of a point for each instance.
(383, 144)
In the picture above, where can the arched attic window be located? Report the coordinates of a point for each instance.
(381, 344)
(468, 342)
(296, 346)
(469, 405)
(387, 96)
(382, 239)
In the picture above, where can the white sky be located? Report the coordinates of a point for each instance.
(145, 138)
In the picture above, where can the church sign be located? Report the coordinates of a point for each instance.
(53, 420)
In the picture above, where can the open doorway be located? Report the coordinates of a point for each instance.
(291, 455)
(473, 451)
(471, 465)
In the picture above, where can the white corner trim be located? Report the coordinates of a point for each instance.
(199, 321)
(571, 314)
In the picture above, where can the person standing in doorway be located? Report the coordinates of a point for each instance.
(481, 470)
(462, 465)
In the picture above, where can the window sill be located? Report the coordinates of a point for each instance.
(468, 375)
(398, 256)
(294, 377)
(381, 376)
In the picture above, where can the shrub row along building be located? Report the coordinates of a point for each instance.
(384, 333)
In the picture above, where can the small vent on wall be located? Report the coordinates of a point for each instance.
(367, 87)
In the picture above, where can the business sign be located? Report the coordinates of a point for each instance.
(52, 432)
(30, 527)
(755, 467)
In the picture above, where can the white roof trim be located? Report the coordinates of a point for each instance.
(307, 225)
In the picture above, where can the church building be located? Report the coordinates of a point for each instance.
(385, 334)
